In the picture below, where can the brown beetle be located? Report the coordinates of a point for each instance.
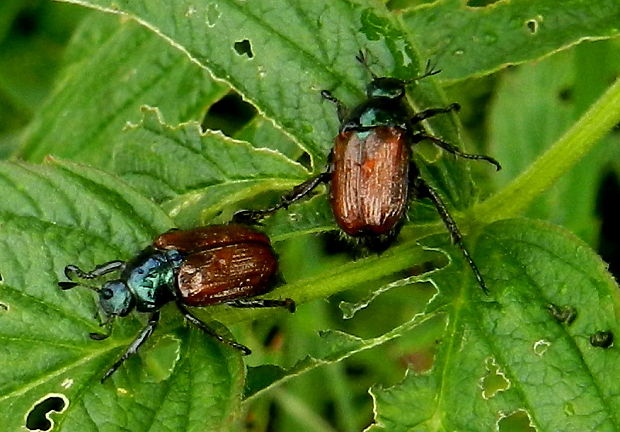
(210, 265)
(371, 174)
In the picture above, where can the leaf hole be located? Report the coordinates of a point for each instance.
(494, 381)
(244, 48)
(213, 14)
(38, 418)
(481, 3)
(4, 307)
(229, 114)
(518, 421)
(541, 347)
(274, 339)
(609, 213)
(563, 314)
(533, 24)
(566, 94)
(602, 339)
(305, 160)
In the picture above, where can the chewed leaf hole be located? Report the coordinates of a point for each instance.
(480, 3)
(518, 421)
(244, 48)
(4, 307)
(494, 381)
(533, 24)
(38, 419)
(229, 114)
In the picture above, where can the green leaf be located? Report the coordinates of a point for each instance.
(217, 171)
(473, 41)
(319, 54)
(59, 214)
(564, 86)
(507, 352)
(117, 66)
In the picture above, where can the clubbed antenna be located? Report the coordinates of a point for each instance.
(362, 57)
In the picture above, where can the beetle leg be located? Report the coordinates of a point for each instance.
(137, 343)
(455, 233)
(417, 137)
(431, 112)
(107, 325)
(250, 217)
(341, 108)
(261, 303)
(205, 328)
(100, 270)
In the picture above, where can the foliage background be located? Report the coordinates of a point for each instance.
(71, 80)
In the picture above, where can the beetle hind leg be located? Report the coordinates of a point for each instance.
(453, 229)
(208, 330)
(252, 217)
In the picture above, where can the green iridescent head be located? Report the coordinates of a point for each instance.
(115, 298)
(385, 87)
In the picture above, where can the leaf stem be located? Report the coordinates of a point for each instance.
(559, 159)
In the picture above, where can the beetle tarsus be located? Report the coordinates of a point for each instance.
(252, 217)
(455, 150)
(205, 328)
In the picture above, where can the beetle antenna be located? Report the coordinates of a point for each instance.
(429, 70)
(362, 57)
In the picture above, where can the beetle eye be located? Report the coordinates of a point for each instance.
(107, 294)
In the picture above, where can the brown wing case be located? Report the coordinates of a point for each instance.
(209, 237)
(216, 275)
(369, 183)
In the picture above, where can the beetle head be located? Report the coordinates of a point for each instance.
(391, 88)
(115, 298)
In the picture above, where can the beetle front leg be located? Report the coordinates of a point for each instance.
(417, 137)
(99, 270)
(251, 217)
(263, 303)
(453, 229)
(208, 330)
(341, 108)
(432, 112)
(133, 348)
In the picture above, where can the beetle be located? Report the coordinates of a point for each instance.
(229, 264)
(371, 175)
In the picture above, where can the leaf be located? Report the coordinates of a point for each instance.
(195, 175)
(319, 44)
(546, 367)
(474, 41)
(564, 86)
(117, 67)
(62, 213)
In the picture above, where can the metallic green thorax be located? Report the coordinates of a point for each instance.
(146, 284)
(384, 107)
